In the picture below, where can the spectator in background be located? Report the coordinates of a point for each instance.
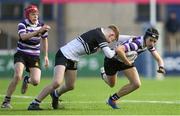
(3, 39)
(172, 28)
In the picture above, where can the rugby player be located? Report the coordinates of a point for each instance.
(128, 48)
(31, 31)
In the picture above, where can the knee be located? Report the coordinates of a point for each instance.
(111, 80)
(35, 82)
(111, 85)
(55, 85)
(17, 78)
(136, 85)
(70, 87)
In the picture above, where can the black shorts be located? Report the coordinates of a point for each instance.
(111, 66)
(28, 60)
(60, 59)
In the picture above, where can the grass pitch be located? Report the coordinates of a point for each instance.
(90, 94)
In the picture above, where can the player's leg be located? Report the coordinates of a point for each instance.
(33, 78)
(134, 82)
(109, 71)
(110, 80)
(57, 80)
(70, 77)
(33, 67)
(18, 72)
(68, 85)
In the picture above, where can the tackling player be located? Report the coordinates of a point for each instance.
(31, 31)
(67, 58)
(128, 47)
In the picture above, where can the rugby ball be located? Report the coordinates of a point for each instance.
(132, 55)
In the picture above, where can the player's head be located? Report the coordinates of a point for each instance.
(151, 36)
(31, 12)
(151, 32)
(114, 32)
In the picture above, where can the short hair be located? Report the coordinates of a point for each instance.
(115, 29)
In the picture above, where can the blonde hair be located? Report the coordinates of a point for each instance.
(115, 29)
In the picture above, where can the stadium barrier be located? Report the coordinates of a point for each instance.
(89, 66)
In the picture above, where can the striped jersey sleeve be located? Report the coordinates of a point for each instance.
(136, 44)
(21, 28)
(133, 44)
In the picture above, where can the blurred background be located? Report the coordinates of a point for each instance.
(70, 18)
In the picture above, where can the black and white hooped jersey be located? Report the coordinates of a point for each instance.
(134, 45)
(32, 45)
(87, 43)
(92, 40)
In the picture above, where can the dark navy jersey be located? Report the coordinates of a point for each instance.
(32, 45)
(92, 40)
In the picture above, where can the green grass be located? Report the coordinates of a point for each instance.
(153, 98)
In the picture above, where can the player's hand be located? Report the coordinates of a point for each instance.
(44, 29)
(161, 70)
(46, 61)
(128, 63)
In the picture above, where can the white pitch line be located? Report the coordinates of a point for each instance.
(153, 102)
(18, 96)
(93, 102)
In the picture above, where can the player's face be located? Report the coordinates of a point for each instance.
(111, 38)
(150, 42)
(33, 16)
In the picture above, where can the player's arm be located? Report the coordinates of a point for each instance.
(108, 52)
(120, 50)
(45, 51)
(26, 36)
(159, 60)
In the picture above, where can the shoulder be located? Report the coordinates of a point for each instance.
(138, 40)
(23, 23)
(40, 22)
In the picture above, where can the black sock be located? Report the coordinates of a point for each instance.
(7, 99)
(114, 97)
(56, 93)
(26, 79)
(36, 101)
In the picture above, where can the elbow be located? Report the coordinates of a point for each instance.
(108, 52)
(23, 37)
(110, 55)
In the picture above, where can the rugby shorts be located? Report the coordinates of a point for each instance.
(28, 60)
(60, 59)
(111, 66)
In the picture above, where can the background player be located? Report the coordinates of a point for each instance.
(128, 47)
(31, 31)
